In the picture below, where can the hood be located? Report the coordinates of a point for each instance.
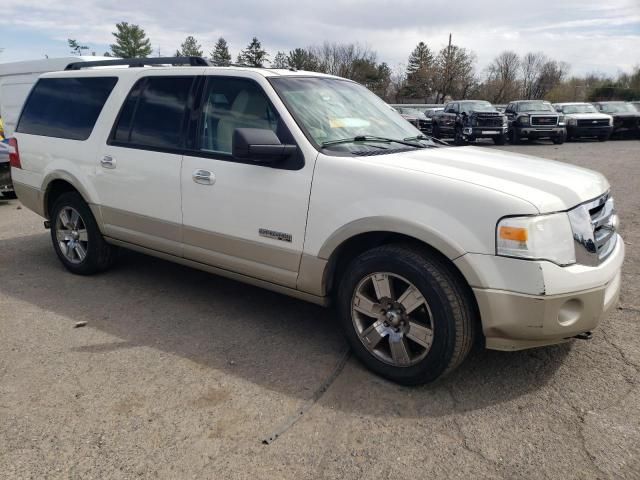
(587, 116)
(625, 114)
(547, 184)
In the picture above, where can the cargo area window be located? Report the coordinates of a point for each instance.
(65, 107)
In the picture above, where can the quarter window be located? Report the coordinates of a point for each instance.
(231, 103)
(65, 107)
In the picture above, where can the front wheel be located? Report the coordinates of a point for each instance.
(603, 138)
(76, 237)
(406, 314)
(435, 130)
(458, 137)
(500, 139)
(559, 140)
(515, 137)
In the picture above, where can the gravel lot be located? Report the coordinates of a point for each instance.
(181, 374)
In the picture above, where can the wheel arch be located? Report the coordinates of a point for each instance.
(57, 183)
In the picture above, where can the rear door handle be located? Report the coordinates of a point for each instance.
(108, 162)
(203, 177)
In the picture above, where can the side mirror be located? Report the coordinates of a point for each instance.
(259, 145)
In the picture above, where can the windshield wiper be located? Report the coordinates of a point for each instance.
(424, 137)
(370, 138)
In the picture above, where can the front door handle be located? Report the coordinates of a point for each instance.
(108, 162)
(203, 177)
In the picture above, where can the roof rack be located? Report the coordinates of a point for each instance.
(141, 62)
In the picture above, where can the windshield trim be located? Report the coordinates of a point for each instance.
(318, 146)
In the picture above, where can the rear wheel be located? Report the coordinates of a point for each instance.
(405, 313)
(76, 238)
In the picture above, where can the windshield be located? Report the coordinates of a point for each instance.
(535, 107)
(480, 106)
(330, 109)
(579, 109)
(618, 108)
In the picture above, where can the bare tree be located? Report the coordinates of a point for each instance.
(503, 78)
(530, 68)
(339, 58)
(455, 72)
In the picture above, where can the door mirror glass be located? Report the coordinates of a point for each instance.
(260, 145)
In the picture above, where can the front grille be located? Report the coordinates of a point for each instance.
(484, 120)
(544, 120)
(600, 122)
(594, 227)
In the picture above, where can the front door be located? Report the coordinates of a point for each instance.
(240, 215)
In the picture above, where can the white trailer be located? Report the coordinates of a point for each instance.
(16, 80)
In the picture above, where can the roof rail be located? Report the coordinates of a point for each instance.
(141, 62)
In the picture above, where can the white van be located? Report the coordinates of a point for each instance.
(17, 78)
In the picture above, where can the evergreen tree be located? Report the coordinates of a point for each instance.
(302, 59)
(280, 61)
(420, 71)
(76, 48)
(254, 55)
(131, 42)
(220, 55)
(190, 48)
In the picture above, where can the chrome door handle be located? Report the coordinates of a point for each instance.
(108, 162)
(203, 177)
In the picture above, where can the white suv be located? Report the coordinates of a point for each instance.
(310, 185)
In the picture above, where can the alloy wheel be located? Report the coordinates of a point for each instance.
(72, 236)
(392, 319)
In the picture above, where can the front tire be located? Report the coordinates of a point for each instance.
(559, 140)
(406, 314)
(499, 140)
(76, 237)
(435, 130)
(458, 138)
(515, 137)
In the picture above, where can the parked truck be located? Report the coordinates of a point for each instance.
(467, 120)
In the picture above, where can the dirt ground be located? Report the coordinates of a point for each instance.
(180, 374)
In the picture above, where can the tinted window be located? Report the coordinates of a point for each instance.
(231, 103)
(153, 114)
(65, 107)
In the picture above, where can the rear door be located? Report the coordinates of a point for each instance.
(138, 171)
(240, 215)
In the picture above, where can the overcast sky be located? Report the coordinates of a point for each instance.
(590, 35)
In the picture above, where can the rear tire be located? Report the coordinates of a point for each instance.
(76, 237)
(406, 314)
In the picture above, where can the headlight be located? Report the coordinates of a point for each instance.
(524, 120)
(611, 122)
(538, 237)
(505, 122)
(572, 121)
(561, 121)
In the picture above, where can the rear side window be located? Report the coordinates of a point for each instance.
(154, 112)
(65, 107)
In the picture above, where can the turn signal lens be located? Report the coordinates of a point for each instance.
(515, 234)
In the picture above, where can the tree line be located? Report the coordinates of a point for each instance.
(429, 76)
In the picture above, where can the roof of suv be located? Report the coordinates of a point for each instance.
(122, 71)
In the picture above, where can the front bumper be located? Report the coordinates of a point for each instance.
(540, 132)
(484, 132)
(575, 131)
(525, 304)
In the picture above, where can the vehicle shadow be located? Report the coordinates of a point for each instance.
(265, 338)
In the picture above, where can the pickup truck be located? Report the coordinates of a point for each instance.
(583, 120)
(534, 119)
(468, 120)
(310, 185)
(626, 119)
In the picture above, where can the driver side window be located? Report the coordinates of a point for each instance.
(231, 103)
